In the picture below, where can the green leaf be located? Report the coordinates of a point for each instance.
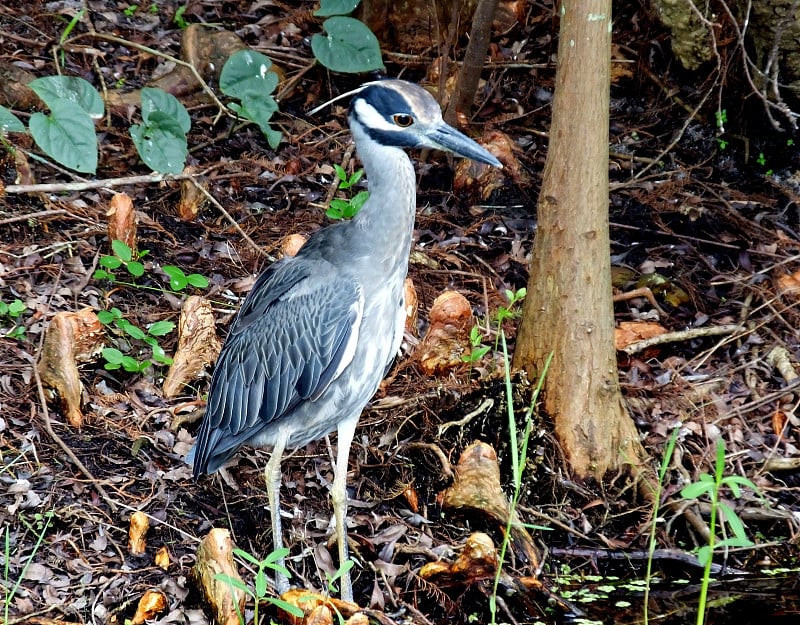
(131, 365)
(159, 355)
(131, 330)
(336, 7)
(235, 583)
(259, 109)
(9, 122)
(161, 142)
(734, 522)
(121, 250)
(358, 201)
(246, 74)
(101, 274)
(55, 90)
(737, 480)
(245, 555)
(67, 135)
(275, 555)
(160, 328)
(105, 317)
(16, 308)
(177, 279)
(260, 583)
(158, 100)
(704, 554)
(696, 489)
(349, 46)
(287, 607)
(135, 268)
(110, 262)
(197, 280)
(113, 356)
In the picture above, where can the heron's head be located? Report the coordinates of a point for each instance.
(401, 114)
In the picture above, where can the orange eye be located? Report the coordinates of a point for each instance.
(403, 120)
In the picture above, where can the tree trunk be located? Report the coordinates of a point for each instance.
(568, 309)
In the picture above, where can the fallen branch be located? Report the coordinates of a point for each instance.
(683, 335)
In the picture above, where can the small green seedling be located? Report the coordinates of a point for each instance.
(347, 209)
(40, 525)
(259, 591)
(115, 359)
(478, 349)
(179, 20)
(343, 570)
(125, 257)
(179, 280)
(514, 298)
(721, 514)
(13, 311)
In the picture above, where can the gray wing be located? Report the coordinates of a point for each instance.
(295, 333)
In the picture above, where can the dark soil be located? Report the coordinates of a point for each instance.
(709, 229)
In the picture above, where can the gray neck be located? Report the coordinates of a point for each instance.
(386, 221)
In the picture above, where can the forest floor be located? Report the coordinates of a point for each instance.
(709, 222)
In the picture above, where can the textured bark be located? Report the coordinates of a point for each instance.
(568, 309)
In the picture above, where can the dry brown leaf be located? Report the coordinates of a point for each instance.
(447, 339)
(477, 181)
(292, 244)
(411, 497)
(476, 486)
(71, 337)
(477, 560)
(412, 306)
(122, 220)
(779, 420)
(198, 345)
(628, 332)
(150, 605)
(788, 284)
(139, 525)
(311, 602)
(321, 615)
(162, 558)
(215, 557)
(192, 196)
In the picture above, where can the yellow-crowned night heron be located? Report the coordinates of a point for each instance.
(316, 335)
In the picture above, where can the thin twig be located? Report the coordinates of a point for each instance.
(48, 427)
(61, 187)
(229, 217)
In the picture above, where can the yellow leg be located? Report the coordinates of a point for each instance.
(274, 478)
(346, 430)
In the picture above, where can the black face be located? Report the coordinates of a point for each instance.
(394, 108)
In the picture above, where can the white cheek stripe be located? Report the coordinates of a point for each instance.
(369, 117)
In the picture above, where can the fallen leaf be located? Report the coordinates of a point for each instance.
(162, 558)
(122, 220)
(215, 557)
(192, 196)
(412, 306)
(447, 339)
(71, 337)
(139, 524)
(628, 332)
(292, 244)
(150, 605)
(476, 486)
(198, 345)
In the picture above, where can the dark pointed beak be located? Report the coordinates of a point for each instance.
(447, 138)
